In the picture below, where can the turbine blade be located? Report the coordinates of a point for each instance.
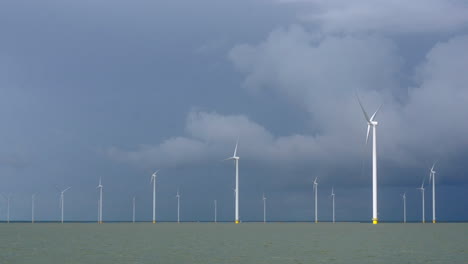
(235, 149)
(363, 111)
(66, 189)
(372, 117)
(368, 130)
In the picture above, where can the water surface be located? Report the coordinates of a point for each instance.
(229, 243)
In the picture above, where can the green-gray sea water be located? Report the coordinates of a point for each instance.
(229, 243)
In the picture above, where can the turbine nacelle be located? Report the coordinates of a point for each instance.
(153, 176)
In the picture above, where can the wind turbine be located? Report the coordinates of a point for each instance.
(264, 208)
(372, 123)
(133, 218)
(178, 206)
(236, 160)
(100, 201)
(432, 177)
(153, 180)
(403, 196)
(33, 199)
(62, 199)
(333, 203)
(422, 192)
(315, 190)
(7, 198)
(215, 211)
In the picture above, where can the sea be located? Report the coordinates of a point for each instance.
(256, 243)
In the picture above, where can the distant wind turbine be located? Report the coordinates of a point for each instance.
(333, 204)
(100, 201)
(236, 160)
(422, 193)
(133, 216)
(403, 196)
(7, 198)
(264, 208)
(153, 180)
(33, 199)
(62, 200)
(315, 191)
(372, 123)
(432, 177)
(178, 206)
(215, 211)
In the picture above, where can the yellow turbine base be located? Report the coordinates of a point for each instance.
(433, 221)
(154, 222)
(237, 221)
(316, 221)
(375, 221)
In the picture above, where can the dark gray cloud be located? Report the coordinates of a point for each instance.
(118, 89)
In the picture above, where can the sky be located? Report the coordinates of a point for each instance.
(118, 89)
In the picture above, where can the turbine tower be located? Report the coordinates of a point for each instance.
(372, 123)
(422, 193)
(153, 180)
(133, 216)
(403, 196)
(33, 199)
(215, 211)
(178, 206)
(432, 177)
(100, 201)
(7, 198)
(315, 191)
(333, 204)
(264, 208)
(236, 190)
(62, 200)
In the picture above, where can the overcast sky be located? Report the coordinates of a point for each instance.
(118, 89)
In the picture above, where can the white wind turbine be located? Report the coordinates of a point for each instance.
(215, 211)
(100, 201)
(264, 208)
(236, 190)
(432, 177)
(333, 204)
(62, 200)
(373, 123)
(133, 216)
(153, 180)
(403, 196)
(423, 206)
(8, 198)
(33, 200)
(315, 191)
(178, 206)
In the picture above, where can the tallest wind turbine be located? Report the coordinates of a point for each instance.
(236, 160)
(372, 123)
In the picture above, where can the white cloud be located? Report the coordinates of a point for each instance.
(321, 74)
(389, 16)
(211, 137)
